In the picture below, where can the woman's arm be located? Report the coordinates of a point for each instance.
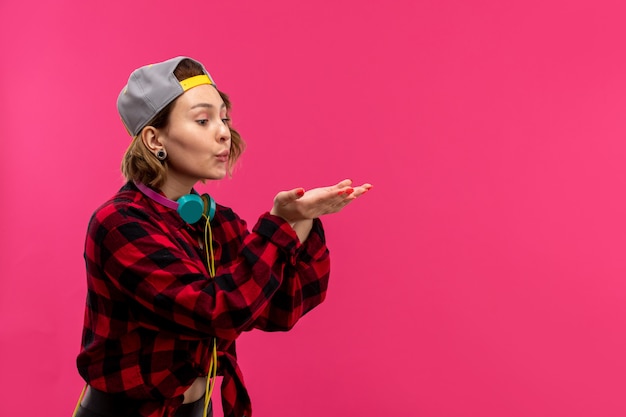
(304, 285)
(305, 280)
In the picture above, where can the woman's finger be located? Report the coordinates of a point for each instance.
(286, 197)
(359, 191)
(344, 183)
(345, 191)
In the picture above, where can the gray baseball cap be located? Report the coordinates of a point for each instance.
(150, 89)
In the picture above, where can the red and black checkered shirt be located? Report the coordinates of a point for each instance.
(152, 309)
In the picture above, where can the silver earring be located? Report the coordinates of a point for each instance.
(161, 154)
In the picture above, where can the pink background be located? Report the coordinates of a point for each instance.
(484, 274)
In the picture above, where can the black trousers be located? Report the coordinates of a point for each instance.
(101, 404)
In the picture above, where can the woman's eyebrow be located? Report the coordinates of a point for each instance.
(207, 105)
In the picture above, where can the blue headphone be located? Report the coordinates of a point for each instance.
(190, 207)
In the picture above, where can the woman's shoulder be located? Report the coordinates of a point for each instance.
(125, 204)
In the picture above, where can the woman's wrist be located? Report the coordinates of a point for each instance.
(302, 228)
(276, 213)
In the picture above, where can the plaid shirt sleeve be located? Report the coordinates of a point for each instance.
(305, 282)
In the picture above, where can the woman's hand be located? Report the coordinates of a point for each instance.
(297, 205)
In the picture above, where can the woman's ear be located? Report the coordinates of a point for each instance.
(151, 138)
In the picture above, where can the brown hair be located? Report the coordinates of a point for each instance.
(141, 165)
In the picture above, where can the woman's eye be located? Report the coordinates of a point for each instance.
(202, 122)
(225, 120)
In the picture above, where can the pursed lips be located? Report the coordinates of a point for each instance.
(223, 156)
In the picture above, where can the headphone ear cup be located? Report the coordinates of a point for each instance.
(209, 206)
(190, 208)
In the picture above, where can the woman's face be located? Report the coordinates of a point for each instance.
(197, 137)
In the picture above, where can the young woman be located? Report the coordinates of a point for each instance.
(174, 278)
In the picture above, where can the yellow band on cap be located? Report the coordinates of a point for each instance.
(195, 81)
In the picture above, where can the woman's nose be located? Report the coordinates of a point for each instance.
(224, 133)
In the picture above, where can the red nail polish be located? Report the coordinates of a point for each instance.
(300, 192)
(349, 191)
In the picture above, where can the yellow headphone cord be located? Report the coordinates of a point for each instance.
(210, 256)
(212, 374)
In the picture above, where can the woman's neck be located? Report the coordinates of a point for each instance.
(174, 188)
